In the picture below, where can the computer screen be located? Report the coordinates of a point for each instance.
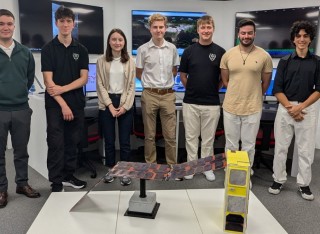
(181, 28)
(138, 85)
(177, 87)
(37, 24)
(91, 86)
(269, 90)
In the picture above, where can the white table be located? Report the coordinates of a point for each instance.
(181, 211)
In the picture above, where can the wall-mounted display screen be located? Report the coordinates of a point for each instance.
(273, 28)
(88, 25)
(37, 24)
(181, 30)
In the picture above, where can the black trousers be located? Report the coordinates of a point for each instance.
(63, 138)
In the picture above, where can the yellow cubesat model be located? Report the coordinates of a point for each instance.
(237, 190)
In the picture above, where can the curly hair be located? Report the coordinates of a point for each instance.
(306, 25)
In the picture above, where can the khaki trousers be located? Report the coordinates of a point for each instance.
(151, 103)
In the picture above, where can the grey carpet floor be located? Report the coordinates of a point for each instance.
(295, 214)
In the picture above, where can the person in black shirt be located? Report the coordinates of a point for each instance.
(64, 64)
(200, 74)
(297, 88)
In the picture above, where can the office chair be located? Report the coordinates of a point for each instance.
(91, 135)
(264, 142)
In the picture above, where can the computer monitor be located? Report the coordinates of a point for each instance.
(269, 90)
(177, 87)
(138, 85)
(269, 97)
(90, 88)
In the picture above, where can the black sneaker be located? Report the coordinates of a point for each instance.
(275, 188)
(73, 182)
(57, 188)
(124, 181)
(306, 193)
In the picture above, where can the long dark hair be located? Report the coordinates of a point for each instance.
(124, 51)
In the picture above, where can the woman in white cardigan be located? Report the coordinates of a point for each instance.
(116, 91)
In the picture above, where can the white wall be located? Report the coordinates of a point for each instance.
(117, 13)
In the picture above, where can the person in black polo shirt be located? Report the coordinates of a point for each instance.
(64, 64)
(297, 88)
(200, 74)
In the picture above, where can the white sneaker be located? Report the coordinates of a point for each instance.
(209, 175)
(188, 177)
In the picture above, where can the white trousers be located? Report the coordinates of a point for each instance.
(244, 128)
(200, 119)
(285, 127)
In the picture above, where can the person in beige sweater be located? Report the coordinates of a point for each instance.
(116, 91)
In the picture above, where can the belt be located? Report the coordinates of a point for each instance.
(160, 91)
(114, 94)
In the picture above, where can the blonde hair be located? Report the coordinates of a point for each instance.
(206, 19)
(157, 17)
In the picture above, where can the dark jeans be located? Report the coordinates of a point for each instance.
(107, 122)
(63, 138)
(18, 124)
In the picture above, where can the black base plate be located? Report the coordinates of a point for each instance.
(144, 215)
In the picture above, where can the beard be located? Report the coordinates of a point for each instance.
(247, 44)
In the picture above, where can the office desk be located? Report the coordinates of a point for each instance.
(37, 146)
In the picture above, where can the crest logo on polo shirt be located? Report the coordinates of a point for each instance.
(212, 57)
(75, 56)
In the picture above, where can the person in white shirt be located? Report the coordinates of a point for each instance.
(156, 66)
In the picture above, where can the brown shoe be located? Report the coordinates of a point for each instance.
(3, 199)
(28, 191)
